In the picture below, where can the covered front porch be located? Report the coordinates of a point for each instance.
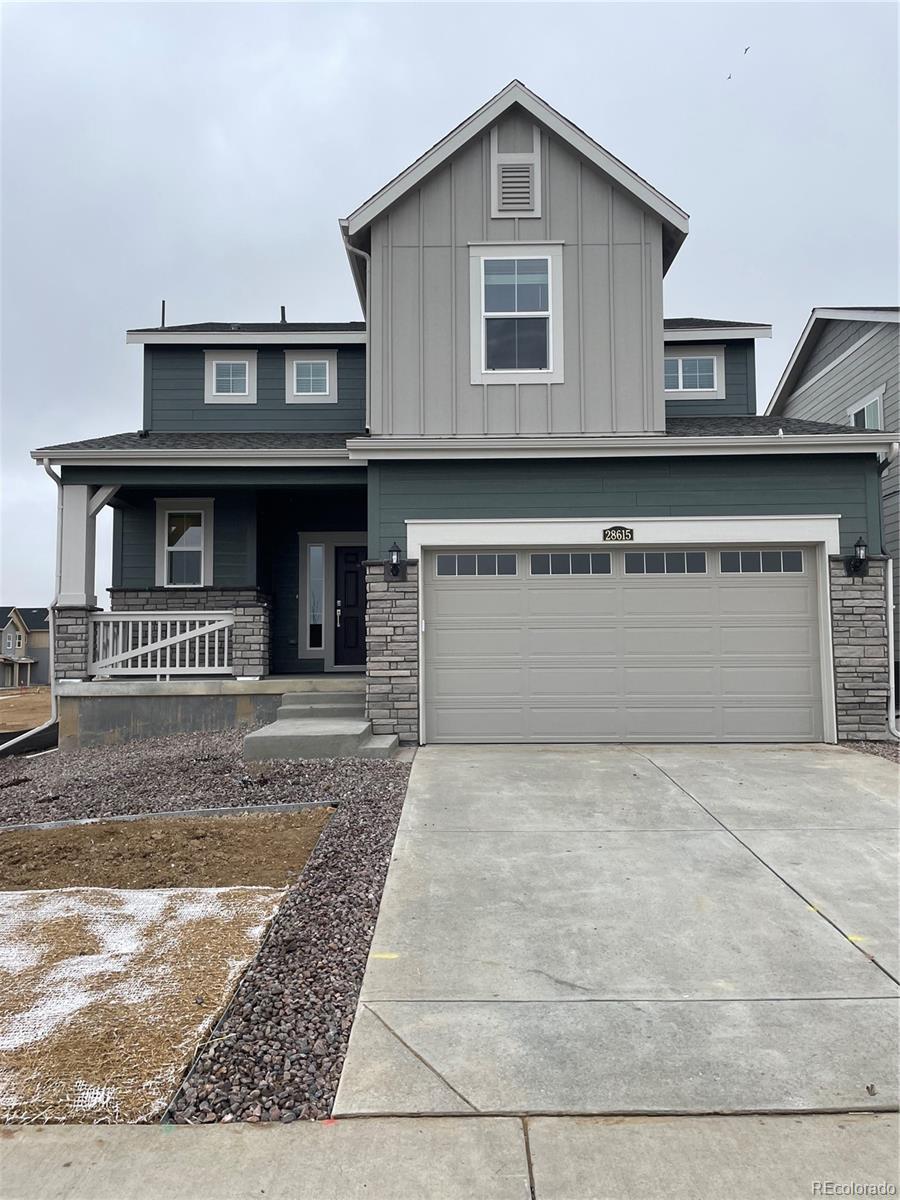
(245, 575)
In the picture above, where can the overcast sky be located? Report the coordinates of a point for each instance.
(204, 153)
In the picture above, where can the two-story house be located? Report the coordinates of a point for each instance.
(845, 369)
(24, 647)
(514, 499)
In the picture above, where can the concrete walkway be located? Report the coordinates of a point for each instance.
(474, 1158)
(586, 930)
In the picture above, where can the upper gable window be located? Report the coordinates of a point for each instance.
(230, 377)
(695, 373)
(516, 313)
(310, 376)
(867, 414)
(515, 171)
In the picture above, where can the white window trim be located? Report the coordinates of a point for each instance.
(170, 504)
(876, 397)
(9, 641)
(329, 357)
(821, 531)
(516, 156)
(716, 353)
(553, 252)
(20, 641)
(210, 395)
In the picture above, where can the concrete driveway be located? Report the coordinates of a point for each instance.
(657, 929)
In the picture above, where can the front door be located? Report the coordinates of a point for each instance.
(350, 606)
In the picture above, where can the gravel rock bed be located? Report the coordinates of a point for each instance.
(186, 771)
(889, 750)
(277, 1053)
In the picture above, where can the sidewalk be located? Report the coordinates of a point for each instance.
(455, 1158)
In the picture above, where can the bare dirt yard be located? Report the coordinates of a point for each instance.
(260, 1013)
(268, 849)
(24, 708)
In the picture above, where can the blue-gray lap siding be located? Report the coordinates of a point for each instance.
(234, 539)
(173, 395)
(625, 487)
(740, 385)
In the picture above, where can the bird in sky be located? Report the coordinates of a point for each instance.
(746, 48)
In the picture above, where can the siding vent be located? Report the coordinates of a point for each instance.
(515, 187)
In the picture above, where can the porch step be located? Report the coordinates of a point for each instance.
(300, 705)
(318, 737)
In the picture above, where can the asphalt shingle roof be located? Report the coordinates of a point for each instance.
(711, 426)
(209, 440)
(674, 323)
(35, 618)
(259, 327)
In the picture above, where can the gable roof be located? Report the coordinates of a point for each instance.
(818, 319)
(674, 219)
(33, 619)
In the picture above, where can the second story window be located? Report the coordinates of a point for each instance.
(20, 641)
(516, 314)
(691, 374)
(867, 414)
(515, 308)
(310, 376)
(230, 377)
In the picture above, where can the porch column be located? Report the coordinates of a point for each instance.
(77, 552)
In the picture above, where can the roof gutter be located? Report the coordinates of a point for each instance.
(195, 458)
(373, 449)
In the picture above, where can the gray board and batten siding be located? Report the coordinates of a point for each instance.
(873, 363)
(623, 487)
(612, 269)
(174, 393)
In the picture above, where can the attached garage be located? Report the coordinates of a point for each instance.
(636, 642)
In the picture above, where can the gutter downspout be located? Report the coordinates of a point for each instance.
(368, 261)
(890, 605)
(51, 720)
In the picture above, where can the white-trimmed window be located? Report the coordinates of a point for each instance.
(695, 372)
(20, 641)
(184, 543)
(310, 376)
(867, 414)
(230, 377)
(9, 641)
(516, 331)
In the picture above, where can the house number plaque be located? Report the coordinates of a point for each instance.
(618, 533)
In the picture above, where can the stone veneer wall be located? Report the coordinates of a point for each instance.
(860, 637)
(71, 629)
(250, 636)
(392, 651)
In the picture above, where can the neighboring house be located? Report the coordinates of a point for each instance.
(846, 369)
(526, 507)
(24, 646)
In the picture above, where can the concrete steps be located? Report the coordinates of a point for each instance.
(319, 724)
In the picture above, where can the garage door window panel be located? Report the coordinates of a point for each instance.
(761, 562)
(579, 562)
(449, 565)
(668, 562)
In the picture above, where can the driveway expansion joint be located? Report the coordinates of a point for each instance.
(871, 958)
(425, 1063)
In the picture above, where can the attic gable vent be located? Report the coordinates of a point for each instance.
(515, 187)
(516, 171)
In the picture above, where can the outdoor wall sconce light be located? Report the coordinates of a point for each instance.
(859, 564)
(395, 569)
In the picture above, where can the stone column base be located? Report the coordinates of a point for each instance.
(860, 639)
(392, 651)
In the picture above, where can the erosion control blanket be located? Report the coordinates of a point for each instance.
(106, 993)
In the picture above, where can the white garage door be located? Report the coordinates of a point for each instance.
(610, 644)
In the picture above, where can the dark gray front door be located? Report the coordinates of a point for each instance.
(350, 606)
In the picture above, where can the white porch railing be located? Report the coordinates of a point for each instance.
(161, 644)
